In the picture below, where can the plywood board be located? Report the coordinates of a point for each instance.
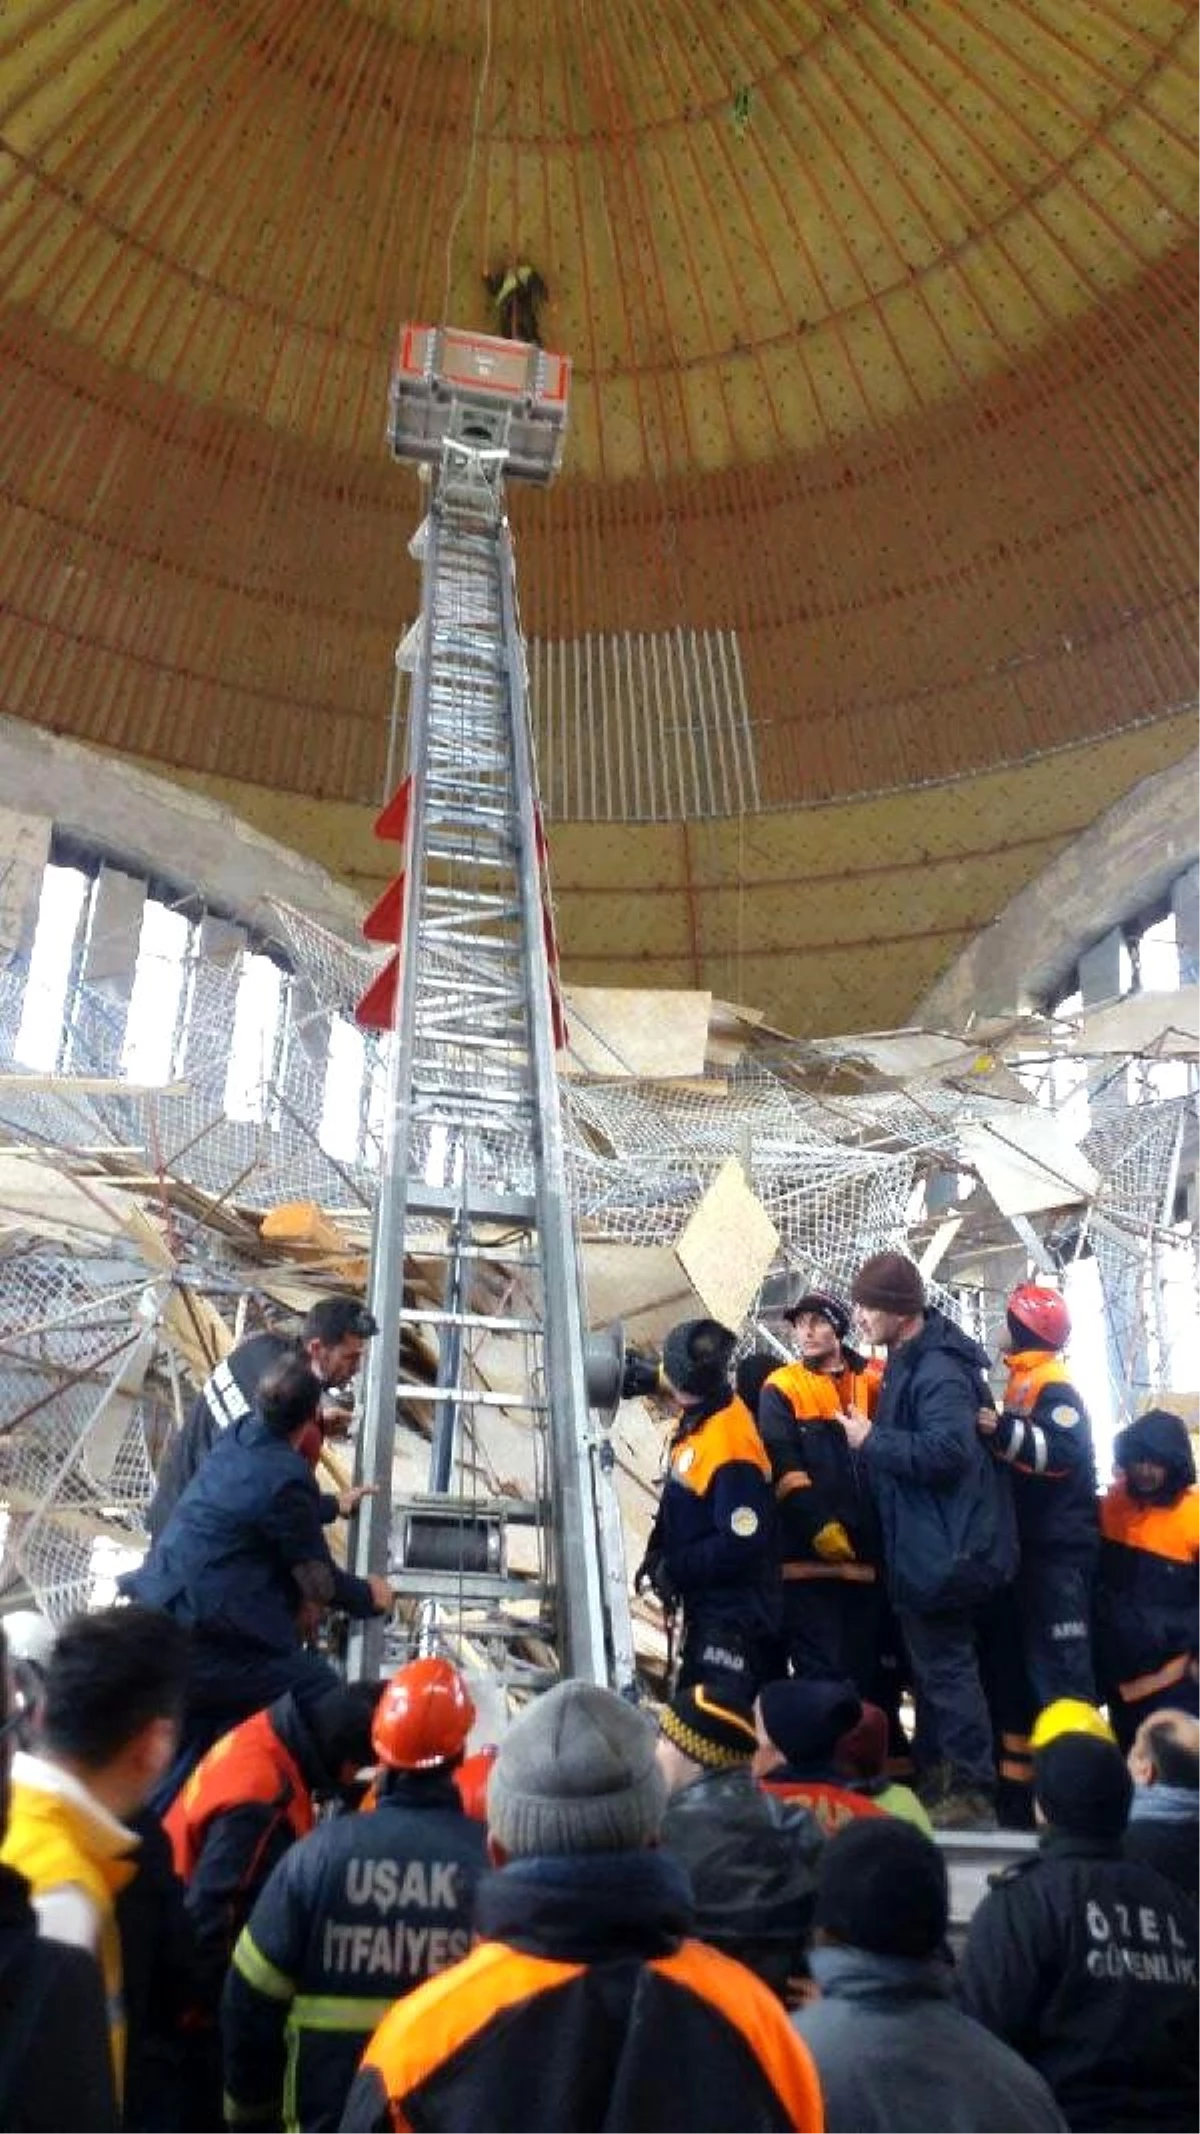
(624, 1032)
(1028, 1163)
(1164, 1024)
(641, 1285)
(727, 1246)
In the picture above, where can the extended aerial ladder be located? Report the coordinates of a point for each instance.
(473, 1174)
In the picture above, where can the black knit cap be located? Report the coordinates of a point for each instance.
(881, 1885)
(823, 1302)
(752, 1374)
(697, 1355)
(710, 1727)
(1082, 1785)
(806, 1720)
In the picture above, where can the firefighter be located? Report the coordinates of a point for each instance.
(828, 1530)
(331, 1340)
(251, 1797)
(356, 1915)
(1146, 1612)
(712, 1547)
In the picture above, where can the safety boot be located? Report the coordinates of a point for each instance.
(964, 1808)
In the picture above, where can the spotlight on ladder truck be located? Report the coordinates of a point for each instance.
(473, 1170)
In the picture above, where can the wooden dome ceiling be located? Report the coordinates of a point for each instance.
(883, 325)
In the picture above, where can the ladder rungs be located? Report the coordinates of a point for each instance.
(467, 1397)
(518, 1511)
(485, 1322)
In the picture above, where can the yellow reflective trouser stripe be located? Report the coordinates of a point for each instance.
(338, 2011)
(259, 1972)
(239, 2115)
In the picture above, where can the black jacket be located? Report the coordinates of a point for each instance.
(225, 1563)
(228, 1393)
(55, 2066)
(945, 1506)
(354, 1917)
(752, 1862)
(585, 2006)
(1085, 1962)
(158, 1962)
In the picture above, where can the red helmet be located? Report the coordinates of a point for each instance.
(1043, 1312)
(472, 1777)
(423, 1717)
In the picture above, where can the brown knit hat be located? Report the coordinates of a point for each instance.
(890, 1282)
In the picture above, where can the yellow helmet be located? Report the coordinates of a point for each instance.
(1069, 1715)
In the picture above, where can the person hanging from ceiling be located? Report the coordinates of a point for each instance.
(712, 1549)
(517, 293)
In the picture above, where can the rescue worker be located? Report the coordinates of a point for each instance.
(712, 1550)
(1146, 1604)
(751, 1860)
(587, 2002)
(245, 1567)
(250, 1798)
(797, 1728)
(331, 1340)
(1085, 1961)
(1043, 1434)
(356, 1915)
(949, 1535)
(825, 1515)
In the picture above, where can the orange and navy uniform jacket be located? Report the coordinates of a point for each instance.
(715, 1528)
(827, 1523)
(586, 2004)
(245, 1803)
(1147, 1604)
(830, 1800)
(1044, 1436)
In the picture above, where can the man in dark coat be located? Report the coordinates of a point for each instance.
(751, 1859)
(1084, 1961)
(244, 1566)
(949, 1534)
(892, 2050)
(1147, 1600)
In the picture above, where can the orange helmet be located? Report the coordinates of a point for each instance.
(423, 1717)
(1042, 1312)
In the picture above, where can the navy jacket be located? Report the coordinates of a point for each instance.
(353, 1917)
(715, 1529)
(945, 1506)
(1085, 1963)
(228, 1393)
(224, 1564)
(1044, 1435)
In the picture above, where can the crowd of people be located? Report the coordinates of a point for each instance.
(875, 1514)
(252, 1894)
(722, 1918)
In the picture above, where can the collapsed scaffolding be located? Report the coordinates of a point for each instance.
(138, 1238)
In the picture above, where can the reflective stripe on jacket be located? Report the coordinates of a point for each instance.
(1044, 1436)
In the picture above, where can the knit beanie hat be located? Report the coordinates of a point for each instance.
(711, 1728)
(881, 1885)
(1081, 1785)
(862, 1751)
(890, 1282)
(576, 1773)
(697, 1355)
(805, 1720)
(828, 1306)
